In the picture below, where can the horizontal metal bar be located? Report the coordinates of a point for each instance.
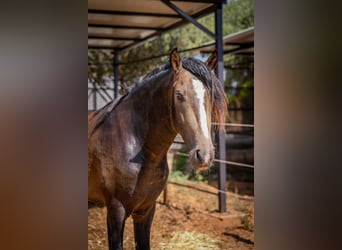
(242, 47)
(247, 44)
(162, 55)
(123, 27)
(226, 162)
(235, 124)
(234, 163)
(248, 198)
(131, 13)
(115, 38)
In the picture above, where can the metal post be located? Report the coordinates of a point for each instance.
(116, 73)
(188, 17)
(221, 134)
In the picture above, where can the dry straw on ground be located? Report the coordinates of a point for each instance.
(189, 241)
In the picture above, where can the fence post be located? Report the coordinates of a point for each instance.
(221, 135)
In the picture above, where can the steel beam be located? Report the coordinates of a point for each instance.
(221, 134)
(130, 13)
(123, 27)
(189, 18)
(115, 38)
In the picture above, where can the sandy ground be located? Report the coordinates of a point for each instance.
(187, 210)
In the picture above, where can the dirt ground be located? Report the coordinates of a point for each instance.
(187, 210)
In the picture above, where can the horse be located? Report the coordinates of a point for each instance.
(128, 140)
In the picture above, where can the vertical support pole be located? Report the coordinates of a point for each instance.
(116, 73)
(221, 134)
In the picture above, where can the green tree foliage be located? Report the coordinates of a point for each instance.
(130, 72)
(238, 15)
(99, 65)
(239, 83)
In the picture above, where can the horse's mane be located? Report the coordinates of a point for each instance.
(198, 69)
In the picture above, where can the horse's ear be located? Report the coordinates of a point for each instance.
(175, 60)
(212, 60)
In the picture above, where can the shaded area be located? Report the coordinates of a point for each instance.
(239, 238)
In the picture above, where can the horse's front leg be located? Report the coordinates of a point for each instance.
(142, 227)
(116, 217)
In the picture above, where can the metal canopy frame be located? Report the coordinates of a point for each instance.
(110, 28)
(122, 25)
(238, 43)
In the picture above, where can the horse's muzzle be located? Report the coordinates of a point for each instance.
(201, 158)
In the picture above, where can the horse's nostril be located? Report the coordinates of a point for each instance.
(203, 157)
(198, 154)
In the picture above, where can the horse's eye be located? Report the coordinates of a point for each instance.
(179, 96)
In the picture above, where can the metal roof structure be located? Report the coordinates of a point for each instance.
(121, 25)
(241, 42)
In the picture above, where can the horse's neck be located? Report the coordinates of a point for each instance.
(156, 120)
(160, 137)
(160, 132)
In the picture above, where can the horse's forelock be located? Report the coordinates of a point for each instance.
(200, 70)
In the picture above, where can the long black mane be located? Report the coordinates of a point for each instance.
(195, 66)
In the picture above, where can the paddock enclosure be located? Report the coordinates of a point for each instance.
(222, 206)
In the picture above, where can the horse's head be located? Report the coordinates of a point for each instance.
(193, 106)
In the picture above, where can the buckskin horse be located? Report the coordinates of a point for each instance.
(128, 140)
